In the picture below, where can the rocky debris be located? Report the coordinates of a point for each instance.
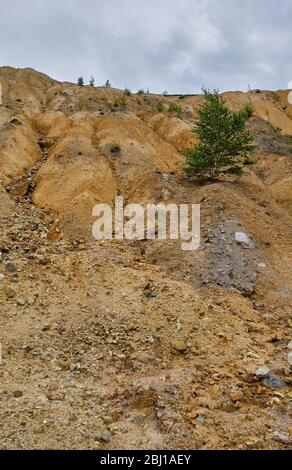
(227, 264)
(290, 358)
(18, 187)
(2, 277)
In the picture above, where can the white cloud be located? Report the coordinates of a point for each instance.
(160, 44)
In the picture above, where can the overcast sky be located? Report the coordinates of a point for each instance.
(173, 45)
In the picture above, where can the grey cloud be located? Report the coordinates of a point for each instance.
(158, 44)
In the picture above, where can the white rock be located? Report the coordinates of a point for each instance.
(2, 277)
(262, 266)
(290, 345)
(189, 110)
(30, 300)
(262, 372)
(283, 437)
(166, 177)
(242, 239)
(290, 358)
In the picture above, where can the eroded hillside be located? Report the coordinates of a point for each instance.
(138, 344)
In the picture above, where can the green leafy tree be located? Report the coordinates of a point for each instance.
(80, 81)
(224, 140)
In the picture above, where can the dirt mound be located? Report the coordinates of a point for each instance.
(138, 344)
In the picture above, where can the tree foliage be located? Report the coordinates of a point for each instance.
(80, 81)
(223, 138)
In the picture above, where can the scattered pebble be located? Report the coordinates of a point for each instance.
(10, 267)
(105, 437)
(262, 372)
(30, 300)
(274, 382)
(282, 437)
(179, 346)
(166, 177)
(10, 293)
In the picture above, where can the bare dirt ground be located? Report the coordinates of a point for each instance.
(139, 345)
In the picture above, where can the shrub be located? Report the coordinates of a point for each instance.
(248, 110)
(141, 92)
(223, 139)
(80, 81)
(175, 109)
(120, 101)
(115, 148)
(248, 160)
(109, 105)
(159, 107)
(127, 92)
(91, 81)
